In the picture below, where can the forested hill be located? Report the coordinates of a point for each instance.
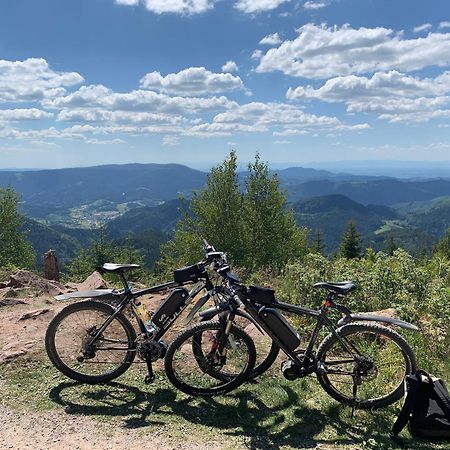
(67, 188)
(386, 191)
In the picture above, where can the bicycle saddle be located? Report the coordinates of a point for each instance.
(340, 287)
(116, 268)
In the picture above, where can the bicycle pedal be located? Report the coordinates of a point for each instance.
(149, 379)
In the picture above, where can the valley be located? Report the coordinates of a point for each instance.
(142, 202)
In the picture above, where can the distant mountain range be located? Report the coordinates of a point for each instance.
(140, 202)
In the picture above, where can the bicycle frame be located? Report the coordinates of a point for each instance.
(322, 320)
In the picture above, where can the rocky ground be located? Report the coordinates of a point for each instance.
(27, 305)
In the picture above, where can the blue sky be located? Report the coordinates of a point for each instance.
(86, 82)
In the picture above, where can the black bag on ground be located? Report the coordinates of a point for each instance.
(426, 409)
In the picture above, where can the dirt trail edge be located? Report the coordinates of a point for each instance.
(54, 430)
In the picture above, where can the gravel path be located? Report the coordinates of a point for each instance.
(55, 430)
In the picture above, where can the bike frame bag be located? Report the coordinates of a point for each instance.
(261, 295)
(188, 274)
(171, 307)
(280, 327)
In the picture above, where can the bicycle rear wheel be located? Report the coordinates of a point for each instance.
(69, 345)
(232, 354)
(370, 356)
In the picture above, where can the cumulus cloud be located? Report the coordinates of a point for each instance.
(424, 27)
(392, 95)
(185, 7)
(230, 66)
(260, 117)
(99, 96)
(256, 6)
(32, 80)
(321, 52)
(380, 85)
(23, 114)
(445, 24)
(271, 39)
(194, 81)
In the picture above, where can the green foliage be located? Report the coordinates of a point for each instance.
(390, 246)
(317, 244)
(418, 290)
(14, 247)
(351, 242)
(254, 227)
(102, 251)
(443, 246)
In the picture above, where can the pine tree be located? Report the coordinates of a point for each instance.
(318, 245)
(255, 228)
(271, 233)
(350, 246)
(443, 246)
(390, 246)
(15, 250)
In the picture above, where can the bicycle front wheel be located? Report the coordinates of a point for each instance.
(196, 355)
(71, 349)
(364, 365)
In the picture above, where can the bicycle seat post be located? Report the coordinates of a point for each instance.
(124, 282)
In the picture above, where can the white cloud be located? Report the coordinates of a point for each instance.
(380, 85)
(171, 141)
(445, 24)
(271, 39)
(424, 27)
(320, 52)
(32, 80)
(282, 142)
(257, 54)
(185, 7)
(256, 6)
(127, 2)
(260, 117)
(98, 96)
(316, 4)
(393, 96)
(230, 66)
(23, 114)
(105, 141)
(194, 81)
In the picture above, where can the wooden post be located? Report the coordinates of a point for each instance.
(51, 269)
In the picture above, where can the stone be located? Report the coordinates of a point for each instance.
(93, 281)
(11, 302)
(28, 279)
(51, 269)
(33, 314)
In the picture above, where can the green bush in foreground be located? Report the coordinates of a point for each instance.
(418, 290)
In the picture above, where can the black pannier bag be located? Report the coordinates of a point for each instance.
(426, 409)
(170, 306)
(280, 327)
(261, 295)
(189, 274)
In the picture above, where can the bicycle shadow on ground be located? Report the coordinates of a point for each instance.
(243, 414)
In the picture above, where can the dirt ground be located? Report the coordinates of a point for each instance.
(24, 320)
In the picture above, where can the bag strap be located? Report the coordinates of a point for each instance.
(442, 399)
(407, 408)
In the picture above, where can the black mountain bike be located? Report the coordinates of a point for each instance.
(94, 342)
(358, 363)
